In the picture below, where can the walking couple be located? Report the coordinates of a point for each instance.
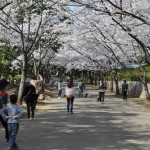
(31, 93)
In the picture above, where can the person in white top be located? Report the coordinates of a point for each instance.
(37, 84)
(69, 90)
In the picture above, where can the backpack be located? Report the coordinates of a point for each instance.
(29, 93)
(81, 86)
(26, 97)
(102, 86)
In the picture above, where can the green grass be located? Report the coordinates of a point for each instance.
(137, 73)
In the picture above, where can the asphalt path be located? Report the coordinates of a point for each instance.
(114, 125)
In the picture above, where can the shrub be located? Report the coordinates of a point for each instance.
(17, 77)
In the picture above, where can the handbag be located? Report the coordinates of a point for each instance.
(69, 96)
(26, 97)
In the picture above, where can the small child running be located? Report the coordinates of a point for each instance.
(14, 112)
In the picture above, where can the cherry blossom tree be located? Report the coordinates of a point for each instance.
(27, 26)
(114, 28)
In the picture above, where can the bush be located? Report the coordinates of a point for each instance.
(126, 75)
(17, 77)
(148, 77)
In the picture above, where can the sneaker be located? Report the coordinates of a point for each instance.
(15, 146)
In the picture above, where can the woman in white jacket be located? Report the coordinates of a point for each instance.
(69, 90)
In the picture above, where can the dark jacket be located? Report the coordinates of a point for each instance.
(124, 87)
(102, 87)
(3, 99)
(30, 91)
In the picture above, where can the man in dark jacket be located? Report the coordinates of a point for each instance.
(124, 90)
(29, 96)
(101, 89)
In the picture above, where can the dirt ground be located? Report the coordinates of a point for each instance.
(140, 101)
(42, 103)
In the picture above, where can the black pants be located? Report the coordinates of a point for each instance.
(80, 93)
(70, 104)
(30, 107)
(101, 96)
(124, 95)
(59, 93)
(4, 123)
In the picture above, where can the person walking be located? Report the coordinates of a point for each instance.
(124, 90)
(69, 90)
(101, 89)
(52, 82)
(59, 86)
(37, 84)
(81, 87)
(29, 96)
(14, 112)
(3, 102)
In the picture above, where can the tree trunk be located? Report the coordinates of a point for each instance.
(95, 82)
(147, 94)
(91, 78)
(35, 67)
(111, 82)
(43, 83)
(144, 81)
(117, 86)
(12, 82)
(99, 75)
(22, 82)
(88, 76)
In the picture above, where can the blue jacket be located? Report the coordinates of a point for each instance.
(12, 110)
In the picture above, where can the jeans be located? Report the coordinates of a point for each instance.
(70, 104)
(101, 96)
(80, 93)
(12, 131)
(30, 107)
(4, 123)
(59, 93)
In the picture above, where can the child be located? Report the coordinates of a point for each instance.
(14, 112)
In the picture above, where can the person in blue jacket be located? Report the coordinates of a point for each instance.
(101, 89)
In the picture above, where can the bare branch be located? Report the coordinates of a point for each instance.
(1, 8)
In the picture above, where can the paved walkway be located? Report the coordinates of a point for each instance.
(114, 125)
